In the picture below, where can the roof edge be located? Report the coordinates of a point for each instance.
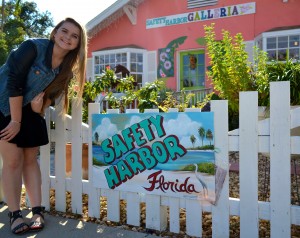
(105, 14)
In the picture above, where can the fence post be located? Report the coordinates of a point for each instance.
(248, 162)
(60, 154)
(280, 165)
(45, 164)
(220, 212)
(76, 155)
(94, 193)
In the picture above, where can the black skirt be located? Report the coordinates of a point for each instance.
(33, 130)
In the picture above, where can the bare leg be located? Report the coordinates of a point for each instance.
(12, 157)
(32, 176)
(32, 181)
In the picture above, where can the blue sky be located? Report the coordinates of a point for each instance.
(183, 125)
(82, 11)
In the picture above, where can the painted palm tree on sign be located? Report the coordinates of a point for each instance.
(209, 136)
(201, 132)
(193, 140)
(96, 136)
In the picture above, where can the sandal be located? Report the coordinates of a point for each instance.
(37, 225)
(13, 216)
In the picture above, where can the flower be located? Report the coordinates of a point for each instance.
(73, 89)
(76, 88)
(167, 65)
(162, 74)
(163, 56)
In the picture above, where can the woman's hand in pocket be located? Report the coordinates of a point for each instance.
(37, 103)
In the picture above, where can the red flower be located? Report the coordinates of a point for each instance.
(76, 88)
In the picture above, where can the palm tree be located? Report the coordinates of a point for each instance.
(209, 136)
(193, 139)
(96, 136)
(201, 132)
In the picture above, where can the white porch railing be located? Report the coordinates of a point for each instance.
(199, 96)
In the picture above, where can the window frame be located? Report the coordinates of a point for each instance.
(261, 40)
(128, 52)
(180, 66)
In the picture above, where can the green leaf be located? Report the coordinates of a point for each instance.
(201, 41)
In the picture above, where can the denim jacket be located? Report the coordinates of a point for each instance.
(26, 74)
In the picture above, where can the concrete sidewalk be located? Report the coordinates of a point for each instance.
(59, 227)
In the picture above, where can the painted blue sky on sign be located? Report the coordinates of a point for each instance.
(183, 125)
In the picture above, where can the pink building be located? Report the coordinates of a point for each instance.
(164, 39)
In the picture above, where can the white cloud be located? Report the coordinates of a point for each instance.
(183, 127)
(106, 129)
(133, 120)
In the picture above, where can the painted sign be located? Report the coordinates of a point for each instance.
(203, 15)
(155, 153)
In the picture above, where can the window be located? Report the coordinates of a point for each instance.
(101, 61)
(280, 45)
(200, 3)
(136, 67)
(283, 47)
(192, 69)
(132, 59)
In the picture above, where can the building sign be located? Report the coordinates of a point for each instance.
(155, 153)
(203, 15)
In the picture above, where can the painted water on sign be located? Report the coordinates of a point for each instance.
(191, 157)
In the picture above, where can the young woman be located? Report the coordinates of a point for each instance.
(34, 75)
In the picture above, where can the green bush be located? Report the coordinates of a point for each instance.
(208, 168)
(286, 71)
(206, 147)
(98, 163)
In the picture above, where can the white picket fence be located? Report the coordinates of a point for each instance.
(270, 136)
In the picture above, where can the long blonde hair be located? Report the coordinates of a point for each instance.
(73, 66)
